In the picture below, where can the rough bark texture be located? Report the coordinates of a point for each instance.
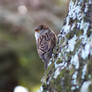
(70, 68)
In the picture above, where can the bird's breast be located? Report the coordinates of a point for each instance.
(37, 35)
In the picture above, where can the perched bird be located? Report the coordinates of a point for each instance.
(45, 41)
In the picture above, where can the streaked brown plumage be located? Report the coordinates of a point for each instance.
(46, 41)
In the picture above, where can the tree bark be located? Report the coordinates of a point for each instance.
(70, 68)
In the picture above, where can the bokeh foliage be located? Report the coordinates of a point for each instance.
(30, 67)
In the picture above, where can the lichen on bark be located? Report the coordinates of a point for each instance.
(70, 68)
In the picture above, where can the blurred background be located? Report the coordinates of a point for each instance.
(20, 66)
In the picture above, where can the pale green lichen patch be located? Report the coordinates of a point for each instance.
(85, 86)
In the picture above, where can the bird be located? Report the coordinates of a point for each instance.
(45, 41)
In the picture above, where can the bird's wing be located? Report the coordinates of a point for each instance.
(52, 41)
(42, 44)
(46, 42)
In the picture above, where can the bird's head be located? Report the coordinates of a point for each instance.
(40, 29)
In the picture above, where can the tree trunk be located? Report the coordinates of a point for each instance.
(70, 68)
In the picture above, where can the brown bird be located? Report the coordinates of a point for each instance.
(45, 41)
